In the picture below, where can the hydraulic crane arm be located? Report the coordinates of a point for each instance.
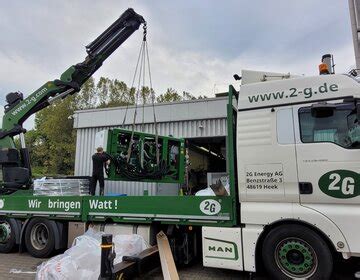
(18, 109)
(16, 169)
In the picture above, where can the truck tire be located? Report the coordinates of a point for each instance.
(8, 234)
(40, 237)
(295, 251)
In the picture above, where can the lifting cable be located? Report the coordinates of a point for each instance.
(139, 75)
(152, 92)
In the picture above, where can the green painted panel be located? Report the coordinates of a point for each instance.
(186, 210)
(231, 151)
(21, 205)
(165, 209)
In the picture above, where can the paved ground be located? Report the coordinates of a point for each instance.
(18, 262)
(22, 266)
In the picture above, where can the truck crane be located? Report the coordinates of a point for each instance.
(292, 154)
(15, 164)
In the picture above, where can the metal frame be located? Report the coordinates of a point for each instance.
(164, 141)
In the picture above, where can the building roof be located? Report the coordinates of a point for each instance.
(200, 109)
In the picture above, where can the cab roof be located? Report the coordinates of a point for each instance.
(266, 89)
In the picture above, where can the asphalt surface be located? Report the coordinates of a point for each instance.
(17, 266)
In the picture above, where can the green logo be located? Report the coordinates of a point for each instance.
(340, 183)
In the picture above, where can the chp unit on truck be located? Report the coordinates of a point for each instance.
(293, 161)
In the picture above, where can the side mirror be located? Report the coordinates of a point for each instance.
(322, 110)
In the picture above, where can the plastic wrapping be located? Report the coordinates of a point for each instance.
(54, 187)
(82, 260)
(223, 188)
(205, 192)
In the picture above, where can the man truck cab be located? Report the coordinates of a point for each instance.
(298, 163)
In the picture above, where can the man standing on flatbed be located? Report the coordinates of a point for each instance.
(98, 159)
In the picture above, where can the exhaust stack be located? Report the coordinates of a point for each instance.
(327, 65)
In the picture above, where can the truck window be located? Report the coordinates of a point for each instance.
(342, 128)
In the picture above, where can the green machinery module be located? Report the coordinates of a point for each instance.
(139, 156)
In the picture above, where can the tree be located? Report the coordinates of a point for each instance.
(55, 126)
(38, 148)
(119, 94)
(103, 91)
(52, 141)
(170, 95)
(146, 95)
(113, 93)
(52, 148)
(86, 98)
(188, 96)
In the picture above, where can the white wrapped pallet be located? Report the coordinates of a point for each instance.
(62, 187)
(82, 260)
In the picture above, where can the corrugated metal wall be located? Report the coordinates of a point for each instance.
(186, 129)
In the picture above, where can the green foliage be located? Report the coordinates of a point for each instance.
(120, 94)
(52, 141)
(170, 95)
(113, 93)
(38, 146)
(103, 89)
(188, 96)
(86, 99)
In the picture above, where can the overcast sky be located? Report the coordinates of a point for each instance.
(195, 46)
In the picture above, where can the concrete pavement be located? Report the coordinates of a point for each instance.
(22, 266)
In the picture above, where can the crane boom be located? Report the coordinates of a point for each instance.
(16, 169)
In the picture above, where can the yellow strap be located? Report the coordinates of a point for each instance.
(106, 246)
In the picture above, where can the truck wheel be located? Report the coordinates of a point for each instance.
(7, 235)
(40, 237)
(295, 251)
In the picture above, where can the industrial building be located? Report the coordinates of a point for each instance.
(201, 122)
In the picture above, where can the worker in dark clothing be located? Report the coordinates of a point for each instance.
(99, 159)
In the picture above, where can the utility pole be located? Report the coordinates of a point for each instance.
(354, 9)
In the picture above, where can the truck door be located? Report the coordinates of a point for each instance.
(328, 159)
(267, 170)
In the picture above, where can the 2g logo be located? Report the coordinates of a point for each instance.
(340, 184)
(210, 207)
(347, 185)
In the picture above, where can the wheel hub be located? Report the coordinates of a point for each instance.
(39, 236)
(296, 257)
(5, 232)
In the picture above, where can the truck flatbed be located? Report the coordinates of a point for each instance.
(185, 210)
(180, 210)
